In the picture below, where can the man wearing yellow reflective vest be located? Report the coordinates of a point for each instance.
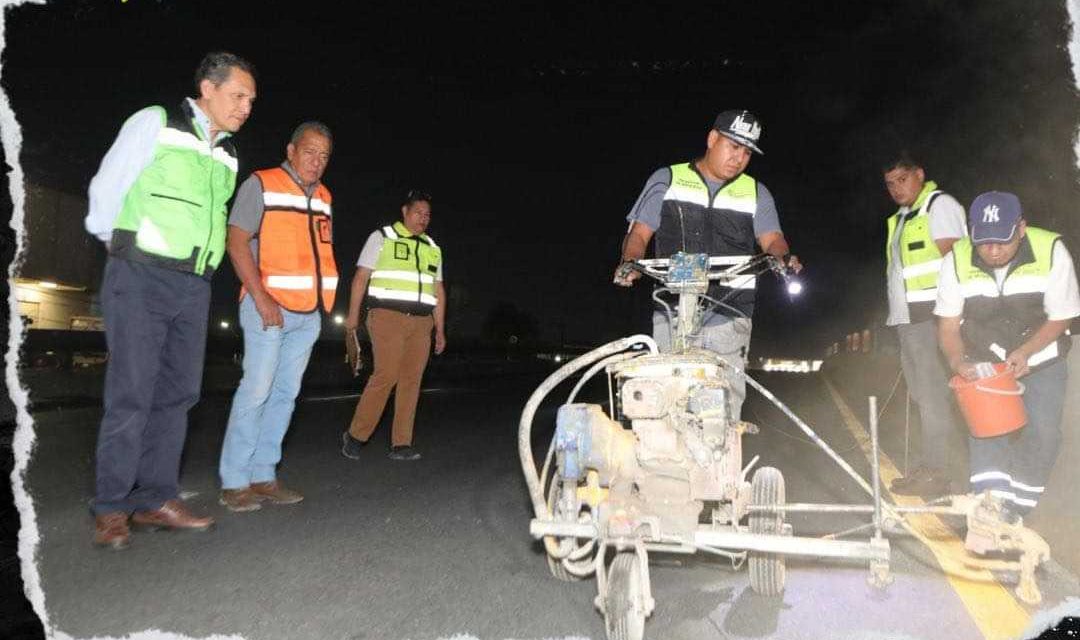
(1008, 294)
(158, 204)
(399, 280)
(920, 232)
(709, 205)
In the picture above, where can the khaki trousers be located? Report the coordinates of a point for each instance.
(400, 344)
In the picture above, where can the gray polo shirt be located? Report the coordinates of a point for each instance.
(247, 208)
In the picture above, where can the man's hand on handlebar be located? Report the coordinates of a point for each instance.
(626, 274)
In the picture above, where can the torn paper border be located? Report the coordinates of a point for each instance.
(23, 441)
(24, 438)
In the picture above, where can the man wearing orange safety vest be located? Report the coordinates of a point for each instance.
(280, 243)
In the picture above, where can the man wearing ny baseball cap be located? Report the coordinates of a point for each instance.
(710, 205)
(1008, 294)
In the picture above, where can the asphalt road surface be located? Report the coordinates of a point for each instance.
(439, 547)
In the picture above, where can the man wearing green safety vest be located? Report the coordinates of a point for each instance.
(710, 205)
(1007, 295)
(920, 232)
(399, 280)
(158, 203)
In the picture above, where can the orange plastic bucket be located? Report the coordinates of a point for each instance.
(992, 406)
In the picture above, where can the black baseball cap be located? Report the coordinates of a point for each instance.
(741, 126)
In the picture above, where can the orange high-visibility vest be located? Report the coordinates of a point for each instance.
(296, 256)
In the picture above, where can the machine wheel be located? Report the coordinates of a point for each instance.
(624, 608)
(767, 570)
(555, 566)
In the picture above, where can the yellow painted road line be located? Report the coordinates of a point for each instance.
(991, 605)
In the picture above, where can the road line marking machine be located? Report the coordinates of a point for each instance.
(620, 484)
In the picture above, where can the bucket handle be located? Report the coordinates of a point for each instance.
(999, 392)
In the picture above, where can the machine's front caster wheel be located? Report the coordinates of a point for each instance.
(767, 570)
(624, 607)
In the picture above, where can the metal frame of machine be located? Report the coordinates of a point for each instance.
(640, 490)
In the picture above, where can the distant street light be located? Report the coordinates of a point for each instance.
(224, 324)
(338, 319)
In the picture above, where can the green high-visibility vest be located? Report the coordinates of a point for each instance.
(920, 258)
(174, 215)
(998, 319)
(404, 274)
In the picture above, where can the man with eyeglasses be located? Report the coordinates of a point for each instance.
(1007, 294)
(399, 281)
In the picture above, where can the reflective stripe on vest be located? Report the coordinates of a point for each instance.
(296, 255)
(920, 258)
(404, 274)
(404, 296)
(291, 200)
(184, 139)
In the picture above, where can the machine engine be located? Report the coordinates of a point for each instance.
(682, 447)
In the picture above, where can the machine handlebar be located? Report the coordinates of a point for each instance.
(698, 268)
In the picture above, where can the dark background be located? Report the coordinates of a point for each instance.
(535, 125)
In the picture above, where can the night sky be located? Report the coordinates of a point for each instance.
(535, 125)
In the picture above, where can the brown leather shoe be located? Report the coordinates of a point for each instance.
(171, 515)
(239, 500)
(111, 530)
(274, 492)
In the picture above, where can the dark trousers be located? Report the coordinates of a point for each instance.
(940, 442)
(155, 328)
(1016, 466)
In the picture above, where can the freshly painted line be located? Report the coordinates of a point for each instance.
(991, 605)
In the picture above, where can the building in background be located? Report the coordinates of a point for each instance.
(56, 284)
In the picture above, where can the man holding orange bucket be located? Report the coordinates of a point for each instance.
(1007, 295)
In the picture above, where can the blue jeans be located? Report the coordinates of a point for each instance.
(1016, 466)
(730, 340)
(274, 362)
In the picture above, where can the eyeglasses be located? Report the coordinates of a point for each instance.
(415, 195)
